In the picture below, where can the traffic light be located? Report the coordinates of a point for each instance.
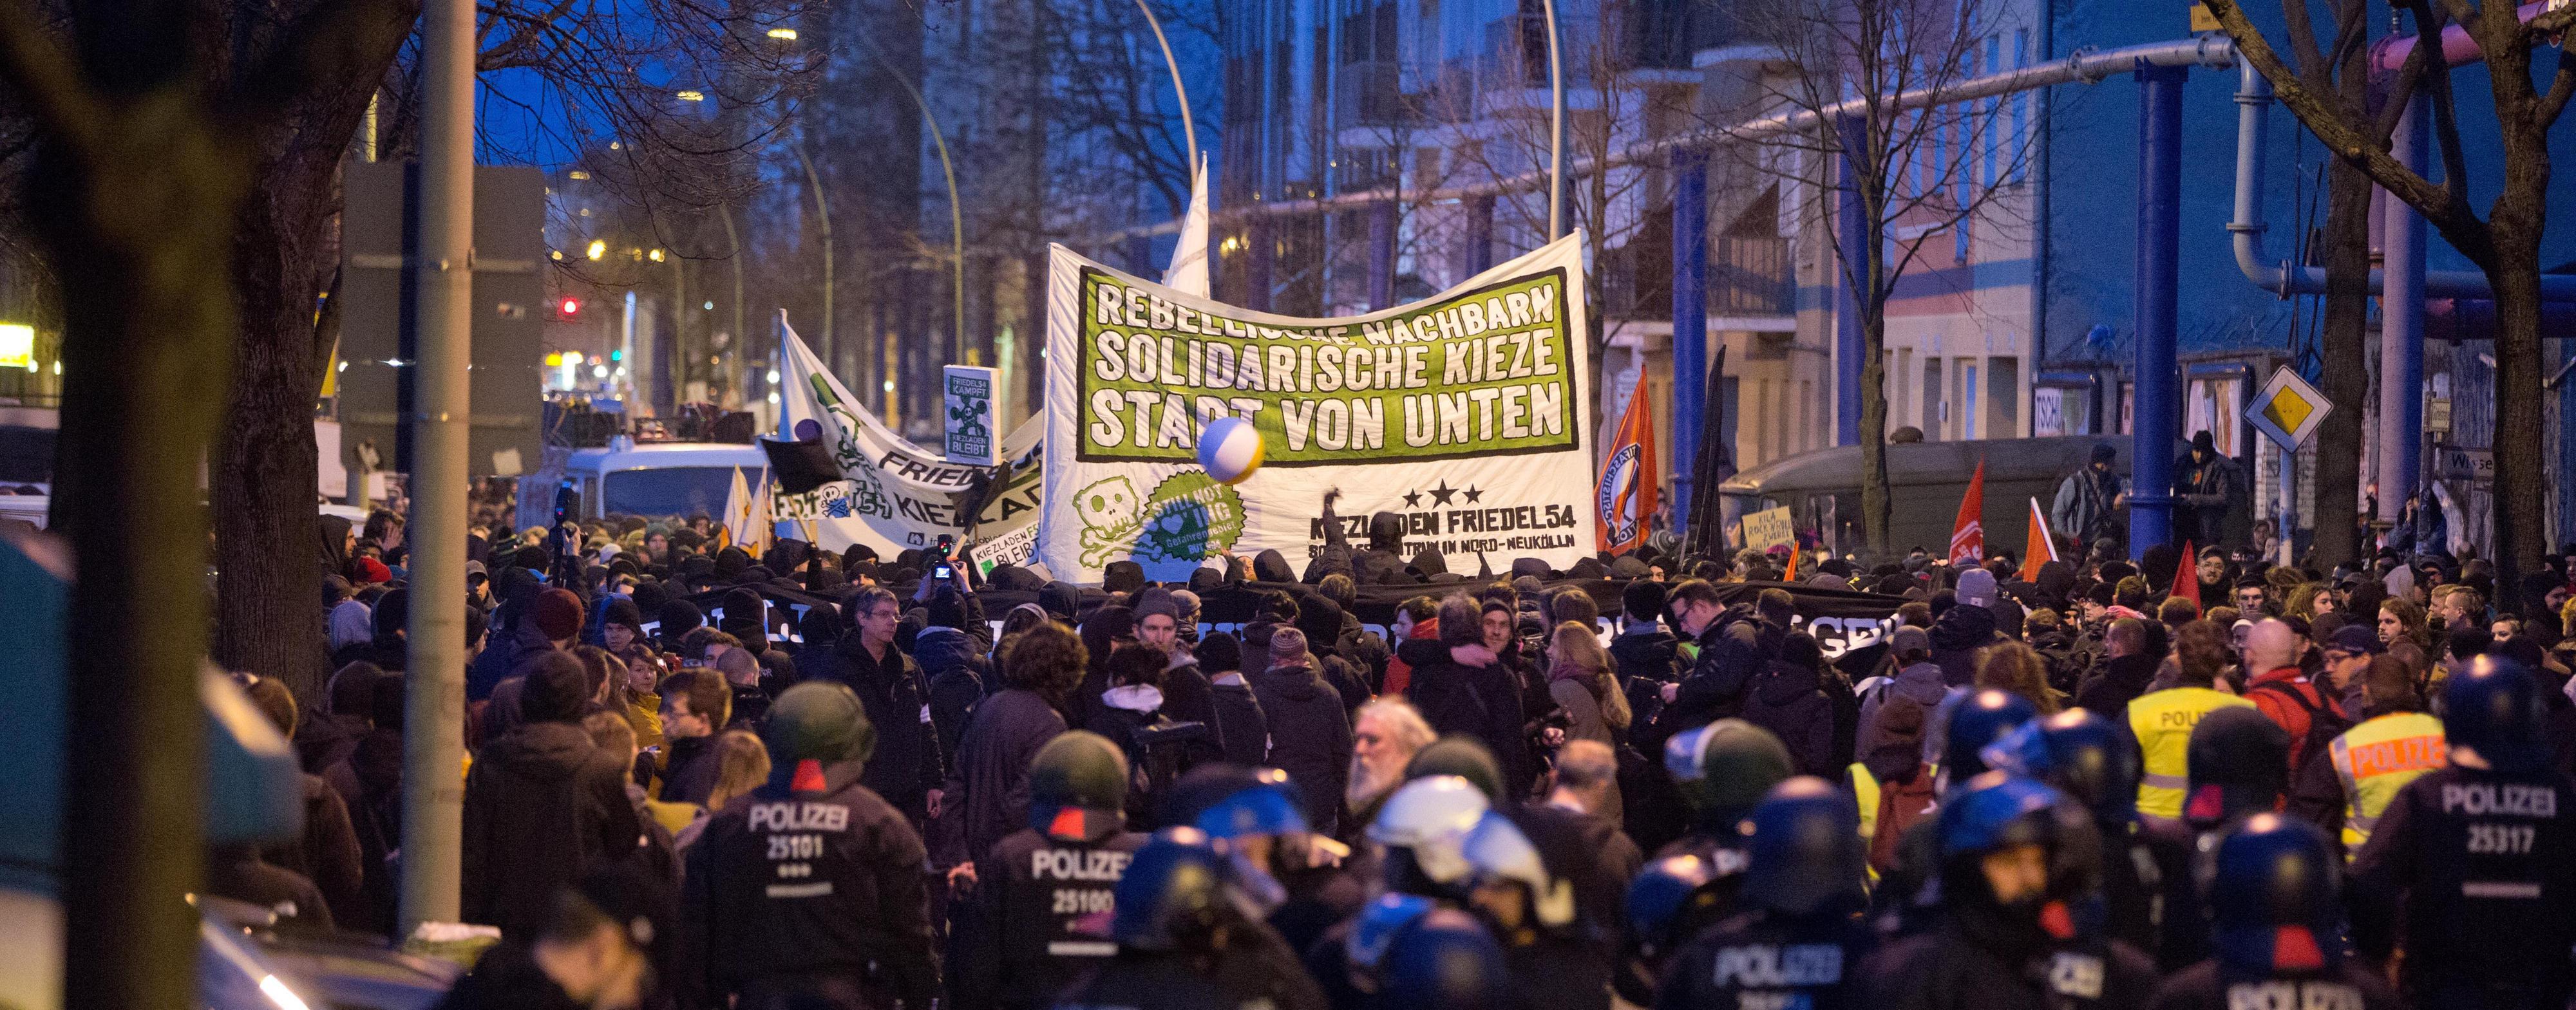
(570, 308)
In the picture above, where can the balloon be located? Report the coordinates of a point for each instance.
(1230, 450)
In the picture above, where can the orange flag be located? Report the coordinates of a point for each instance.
(1625, 498)
(2041, 548)
(2186, 581)
(1968, 532)
(1794, 553)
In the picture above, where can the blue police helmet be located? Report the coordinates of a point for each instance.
(2494, 708)
(1806, 857)
(1174, 890)
(1444, 960)
(1993, 811)
(1668, 900)
(2082, 754)
(1266, 804)
(2272, 897)
(1977, 720)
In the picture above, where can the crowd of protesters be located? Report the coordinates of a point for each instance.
(2109, 784)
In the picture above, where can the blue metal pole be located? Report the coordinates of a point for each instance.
(1852, 237)
(1381, 238)
(1690, 322)
(2401, 330)
(2158, 394)
(1480, 234)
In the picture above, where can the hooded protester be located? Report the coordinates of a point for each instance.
(1966, 628)
(326, 738)
(1187, 695)
(1787, 700)
(543, 805)
(1101, 634)
(854, 928)
(327, 851)
(989, 772)
(951, 649)
(1131, 715)
(1241, 729)
(352, 633)
(1310, 731)
(1019, 938)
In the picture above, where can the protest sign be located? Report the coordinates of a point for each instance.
(966, 393)
(1767, 528)
(1464, 414)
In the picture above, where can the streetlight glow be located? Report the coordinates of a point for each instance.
(598, 248)
(773, 376)
(783, 34)
(692, 95)
(655, 255)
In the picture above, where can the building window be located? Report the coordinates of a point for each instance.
(2021, 111)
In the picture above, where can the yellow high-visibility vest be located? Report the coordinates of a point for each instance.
(1865, 790)
(2376, 759)
(2162, 721)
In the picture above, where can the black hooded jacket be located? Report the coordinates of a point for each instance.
(1787, 701)
(956, 674)
(1481, 701)
(1957, 636)
(543, 807)
(1310, 737)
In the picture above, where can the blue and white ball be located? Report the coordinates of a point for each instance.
(1230, 450)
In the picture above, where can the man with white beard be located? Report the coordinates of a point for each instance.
(1383, 740)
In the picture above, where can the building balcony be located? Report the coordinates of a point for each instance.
(1751, 276)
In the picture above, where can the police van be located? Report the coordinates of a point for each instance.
(658, 479)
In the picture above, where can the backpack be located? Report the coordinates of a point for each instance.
(2324, 723)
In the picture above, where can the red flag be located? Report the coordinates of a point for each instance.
(1968, 533)
(2187, 577)
(1625, 499)
(2041, 548)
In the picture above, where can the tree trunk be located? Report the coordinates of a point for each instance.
(2346, 374)
(265, 467)
(141, 229)
(2519, 527)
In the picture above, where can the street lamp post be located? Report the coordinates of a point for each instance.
(1189, 132)
(822, 224)
(1555, 127)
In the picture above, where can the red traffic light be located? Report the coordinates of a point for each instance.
(571, 307)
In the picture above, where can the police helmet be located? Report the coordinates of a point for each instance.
(2494, 709)
(2082, 754)
(1975, 721)
(1496, 851)
(1725, 767)
(1262, 802)
(1670, 901)
(1374, 929)
(1444, 960)
(1806, 855)
(1077, 785)
(2272, 897)
(1173, 893)
(2239, 760)
(1429, 818)
(819, 721)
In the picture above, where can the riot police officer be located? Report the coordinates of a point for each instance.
(2014, 855)
(809, 891)
(1907, 901)
(1257, 817)
(2272, 898)
(1672, 900)
(1722, 770)
(2095, 763)
(1416, 955)
(1020, 938)
(2483, 854)
(1796, 940)
(1185, 942)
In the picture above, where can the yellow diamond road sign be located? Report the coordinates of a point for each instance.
(2288, 410)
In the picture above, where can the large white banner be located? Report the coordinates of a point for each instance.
(892, 495)
(1463, 413)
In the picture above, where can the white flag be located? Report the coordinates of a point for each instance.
(1188, 273)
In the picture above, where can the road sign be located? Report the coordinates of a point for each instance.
(2288, 410)
(968, 394)
(2202, 20)
(2451, 462)
(1769, 527)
